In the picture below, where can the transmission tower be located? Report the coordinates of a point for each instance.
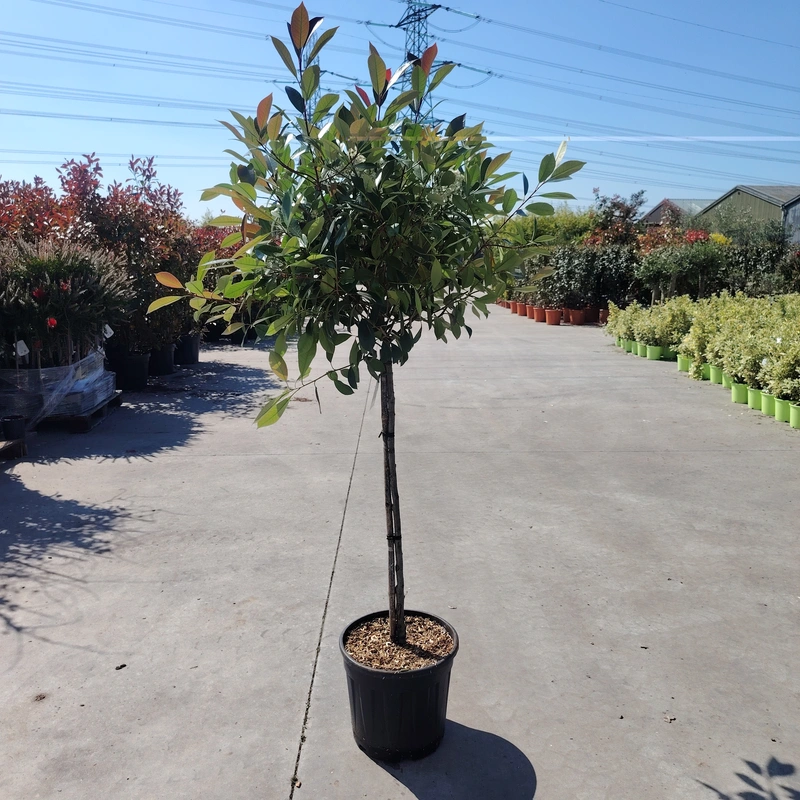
(415, 23)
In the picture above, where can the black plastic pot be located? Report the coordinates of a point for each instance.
(132, 371)
(13, 427)
(188, 349)
(398, 715)
(162, 361)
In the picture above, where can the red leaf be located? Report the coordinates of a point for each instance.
(262, 114)
(426, 62)
(364, 96)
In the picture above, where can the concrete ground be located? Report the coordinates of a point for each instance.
(616, 544)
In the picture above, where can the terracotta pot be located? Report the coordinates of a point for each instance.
(552, 316)
(521, 309)
(591, 315)
(539, 314)
(577, 316)
(529, 311)
(513, 306)
(565, 315)
(602, 316)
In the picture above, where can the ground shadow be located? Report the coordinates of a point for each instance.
(469, 765)
(166, 416)
(768, 782)
(37, 532)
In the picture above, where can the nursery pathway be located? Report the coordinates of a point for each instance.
(616, 544)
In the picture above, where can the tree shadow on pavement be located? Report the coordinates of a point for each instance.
(37, 533)
(166, 416)
(768, 782)
(469, 765)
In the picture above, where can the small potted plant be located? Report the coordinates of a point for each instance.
(362, 225)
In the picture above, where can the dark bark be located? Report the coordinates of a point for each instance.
(397, 616)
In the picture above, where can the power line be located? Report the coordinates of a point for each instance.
(700, 25)
(624, 53)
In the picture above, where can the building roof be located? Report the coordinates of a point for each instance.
(780, 196)
(690, 207)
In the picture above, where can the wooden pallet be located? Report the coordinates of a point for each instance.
(83, 423)
(13, 448)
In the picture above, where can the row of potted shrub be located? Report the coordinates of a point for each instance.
(750, 345)
(555, 316)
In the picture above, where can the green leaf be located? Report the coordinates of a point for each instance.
(546, 167)
(163, 301)
(232, 328)
(322, 40)
(509, 200)
(401, 101)
(377, 72)
(295, 98)
(283, 52)
(566, 169)
(231, 238)
(306, 350)
(279, 324)
(436, 274)
(440, 75)
(342, 387)
(224, 221)
(314, 229)
(562, 150)
(324, 105)
(197, 303)
(525, 184)
(273, 410)
(366, 336)
(558, 195)
(309, 81)
(496, 163)
(278, 365)
(418, 79)
(540, 209)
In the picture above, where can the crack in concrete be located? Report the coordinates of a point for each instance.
(300, 744)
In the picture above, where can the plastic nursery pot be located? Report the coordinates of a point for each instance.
(706, 374)
(738, 392)
(513, 306)
(767, 404)
(577, 316)
(654, 352)
(794, 416)
(538, 314)
(602, 316)
(565, 315)
(627, 345)
(641, 350)
(714, 374)
(754, 398)
(591, 315)
(669, 354)
(529, 311)
(552, 316)
(132, 370)
(684, 363)
(782, 410)
(727, 381)
(13, 427)
(522, 309)
(618, 341)
(188, 350)
(162, 361)
(398, 715)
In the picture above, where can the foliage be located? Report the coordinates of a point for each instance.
(565, 225)
(615, 220)
(740, 227)
(57, 297)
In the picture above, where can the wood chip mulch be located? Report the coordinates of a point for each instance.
(427, 643)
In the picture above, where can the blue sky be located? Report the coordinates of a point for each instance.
(724, 110)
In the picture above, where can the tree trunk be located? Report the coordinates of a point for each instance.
(397, 615)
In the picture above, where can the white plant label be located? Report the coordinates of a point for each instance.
(22, 349)
(108, 332)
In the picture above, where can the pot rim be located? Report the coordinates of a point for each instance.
(398, 673)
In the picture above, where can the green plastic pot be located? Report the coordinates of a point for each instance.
(706, 375)
(794, 416)
(754, 398)
(782, 410)
(654, 352)
(727, 381)
(714, 374)
(641, 349)
(669, 354)
(684, 363)
(739, 392)
(618, 342)
(627, 345)
(767, 404)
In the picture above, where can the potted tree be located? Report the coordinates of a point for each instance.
(364, 223)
